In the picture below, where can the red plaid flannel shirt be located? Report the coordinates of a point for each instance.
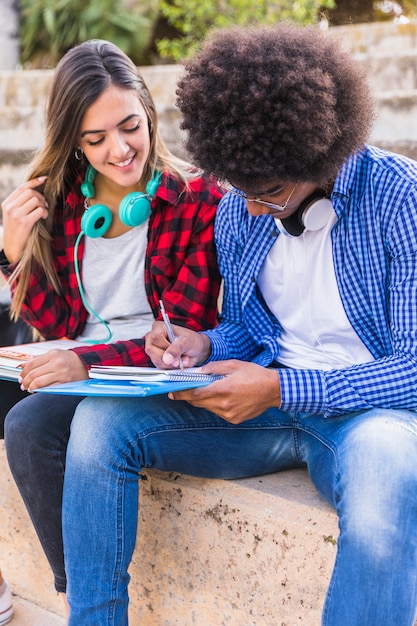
(180, 267)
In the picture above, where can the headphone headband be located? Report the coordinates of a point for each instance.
(88, 191)
(87, 187)
(134, 209)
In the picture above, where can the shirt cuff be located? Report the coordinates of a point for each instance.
(303, 391)
(219, 350)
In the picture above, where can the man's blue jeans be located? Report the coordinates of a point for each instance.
(364, 464)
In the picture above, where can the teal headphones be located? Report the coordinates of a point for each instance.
(134, 209)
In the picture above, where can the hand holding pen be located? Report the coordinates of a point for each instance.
(169, 328)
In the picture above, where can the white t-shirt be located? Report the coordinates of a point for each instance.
(298, 283)
(114, 285)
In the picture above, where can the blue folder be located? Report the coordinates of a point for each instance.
(119, 388)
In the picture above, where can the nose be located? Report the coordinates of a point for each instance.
(118, 145)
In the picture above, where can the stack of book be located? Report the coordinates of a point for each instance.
(104, 380)
(12, 358)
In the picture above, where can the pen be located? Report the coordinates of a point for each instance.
(168, 327)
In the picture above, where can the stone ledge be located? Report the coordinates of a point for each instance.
(257, 551)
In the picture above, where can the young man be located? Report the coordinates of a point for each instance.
(317, 245)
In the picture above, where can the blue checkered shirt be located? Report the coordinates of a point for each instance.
(375, 258)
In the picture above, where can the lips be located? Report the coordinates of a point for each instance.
(124, 163)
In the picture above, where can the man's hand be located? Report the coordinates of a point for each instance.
(246, 391)
(192, 347)
(55, 366)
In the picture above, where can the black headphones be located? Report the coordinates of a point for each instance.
(134, 209)
(312, 214)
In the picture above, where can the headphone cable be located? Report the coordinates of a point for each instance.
(84, 299)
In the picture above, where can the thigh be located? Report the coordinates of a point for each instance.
(363, 456)
(39, 423)
(10, 394)
(175, 436)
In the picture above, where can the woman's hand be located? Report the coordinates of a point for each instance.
(55, 366)
(21, 210)
(247, 390)
(192, 347)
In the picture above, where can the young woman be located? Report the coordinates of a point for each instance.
(88, 260)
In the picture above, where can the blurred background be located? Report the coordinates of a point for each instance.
(36, 33)
(159, 34)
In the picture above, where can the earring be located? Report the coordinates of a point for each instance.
(78, 154)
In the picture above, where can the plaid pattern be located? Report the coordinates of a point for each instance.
(375, 257)
(180, 267)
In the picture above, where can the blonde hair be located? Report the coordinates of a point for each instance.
(79, 79)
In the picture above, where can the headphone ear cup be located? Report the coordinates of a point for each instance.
(317, 214)
(312, 214)
(134, 209)
(96, 221)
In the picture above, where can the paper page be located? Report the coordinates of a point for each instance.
(149, 374)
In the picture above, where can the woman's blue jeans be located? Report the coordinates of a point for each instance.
(364, 464)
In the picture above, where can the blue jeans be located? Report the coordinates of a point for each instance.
(364, 464)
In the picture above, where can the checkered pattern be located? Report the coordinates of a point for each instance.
(375, 257)
(181, 268)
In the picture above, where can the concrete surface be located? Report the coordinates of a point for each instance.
(257, 552)
(29, 614)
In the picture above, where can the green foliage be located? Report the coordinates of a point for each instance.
(193, 18)
(50, 27)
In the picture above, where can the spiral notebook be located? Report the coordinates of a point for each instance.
(150, 374)
(120, 381)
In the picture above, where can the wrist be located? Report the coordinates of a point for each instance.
(205, 352)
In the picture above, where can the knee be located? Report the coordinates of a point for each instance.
(26, 423)
(20, 437)
(19, 429)
(94, 428)
(382, 450)
(103, 431)
(36, 429)
(377, 478)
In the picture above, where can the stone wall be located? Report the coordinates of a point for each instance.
(388, 52)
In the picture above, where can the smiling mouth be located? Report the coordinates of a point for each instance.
(124, 163)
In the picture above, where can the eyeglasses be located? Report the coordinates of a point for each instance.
(240, 194)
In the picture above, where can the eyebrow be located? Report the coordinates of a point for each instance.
(126, 119)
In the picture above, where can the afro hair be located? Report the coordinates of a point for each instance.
(281, 103)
